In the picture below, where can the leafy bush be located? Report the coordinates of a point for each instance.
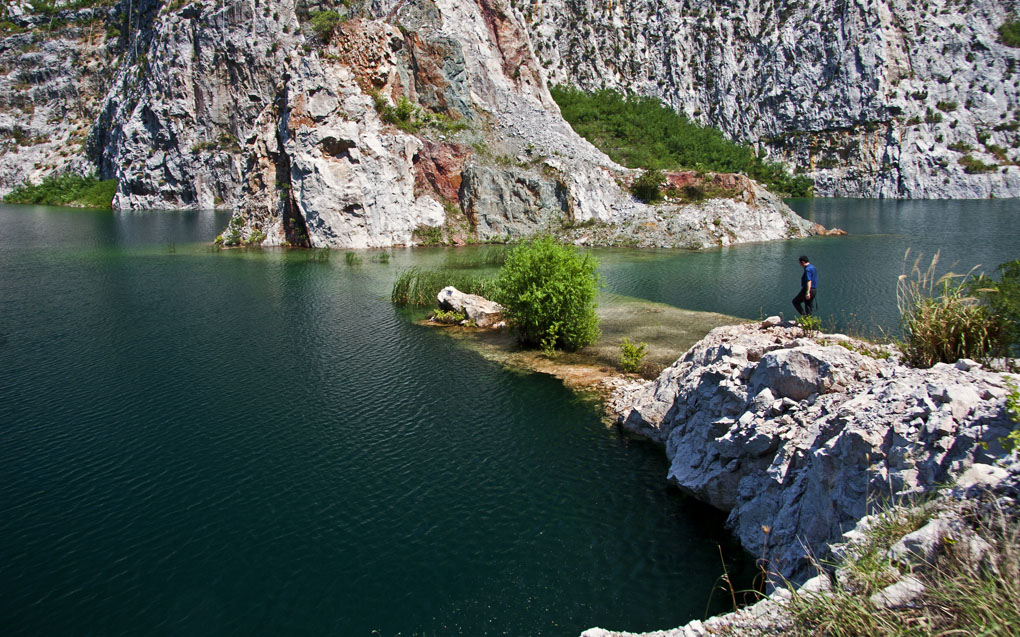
(352, 258)
(549, 293)
(451, 317)
(66, 190)
(419, 288)
(632, 355)
(941, 322)
(1002, 298)
(646, 187)
(1009, 33)
(324, 23)
(640, 132)
(809, 323)
(974, 166)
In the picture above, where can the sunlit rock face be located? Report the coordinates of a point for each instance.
(404, 122)
(872, 98)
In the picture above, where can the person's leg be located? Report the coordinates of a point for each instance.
(798, 300)
(809, 304)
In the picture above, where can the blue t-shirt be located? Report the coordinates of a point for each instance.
(810, 274)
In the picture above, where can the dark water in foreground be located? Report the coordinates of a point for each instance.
(194, 442)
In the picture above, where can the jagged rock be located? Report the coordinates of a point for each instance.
(922, 547)
(835, 431)
(415, 122)
(899, 595)
(483, 312)
(871, 99)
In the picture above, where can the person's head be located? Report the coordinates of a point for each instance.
(803, 260)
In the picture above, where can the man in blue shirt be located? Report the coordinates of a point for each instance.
(808, 288)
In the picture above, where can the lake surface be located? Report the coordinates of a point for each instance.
(199, 442)
(203, 442)
(857, 273)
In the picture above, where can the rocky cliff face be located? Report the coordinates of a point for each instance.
(874, 98)
(406, 121)
(800, 437)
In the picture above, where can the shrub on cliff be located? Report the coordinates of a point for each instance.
(646, 187)
(549, 293)
(1002, 298)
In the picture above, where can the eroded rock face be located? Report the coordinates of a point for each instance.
(797, 436)
(413, 119)
(873, 99)
(483, 312)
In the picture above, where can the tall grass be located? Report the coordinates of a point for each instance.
(419, 287)
(962, 596)
(941, 322)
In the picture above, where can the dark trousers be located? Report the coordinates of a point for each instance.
(809, 304)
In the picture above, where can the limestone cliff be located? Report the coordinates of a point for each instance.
(875, 98)
(399, 122)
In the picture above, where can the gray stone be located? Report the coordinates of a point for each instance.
(899, 595)
(483, 312)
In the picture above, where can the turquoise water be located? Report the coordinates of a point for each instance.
(858, 272)
(201, 442)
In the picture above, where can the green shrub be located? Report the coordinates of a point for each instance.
(352, 258)
(640, 132)
(647, 186)
(1009, 33)
(1002, 298)
(324, 23)
(448, 317)
(809, 323)
(632, 355)
(941, 322)
(66, 190)
(946, 106)
(429, 235)
(974, 166)
(549, 293)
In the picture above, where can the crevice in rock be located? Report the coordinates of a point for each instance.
(294, 226)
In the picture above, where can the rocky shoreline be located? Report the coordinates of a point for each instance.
(803, 438)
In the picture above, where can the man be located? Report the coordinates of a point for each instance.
(808, 288)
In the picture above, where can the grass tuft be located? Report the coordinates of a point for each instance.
(419, 288)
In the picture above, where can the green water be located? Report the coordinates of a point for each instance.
(201, 442)
(256, 442)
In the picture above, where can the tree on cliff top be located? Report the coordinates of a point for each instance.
(549, 293)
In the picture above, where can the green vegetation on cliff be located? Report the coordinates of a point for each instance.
(640, 132)
(66, 190)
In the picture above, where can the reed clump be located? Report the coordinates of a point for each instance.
(942, 322)
(419, 287)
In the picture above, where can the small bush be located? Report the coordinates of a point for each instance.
(941, 322)
(549, 292)
(1009, 33)
(448, 317)
(809, 323)
(646, 187)
(632, 355)
(324, 23)
(429, 235)
(973, 166)
(352, 258)
(1002, 298)
(66, 190)
(946, 106)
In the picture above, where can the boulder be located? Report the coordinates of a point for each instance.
(483, 312)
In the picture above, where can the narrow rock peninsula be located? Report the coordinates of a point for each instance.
(801, 436)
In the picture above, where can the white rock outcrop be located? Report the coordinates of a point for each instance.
(481, 311)
(876, 98)
(798, 437)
